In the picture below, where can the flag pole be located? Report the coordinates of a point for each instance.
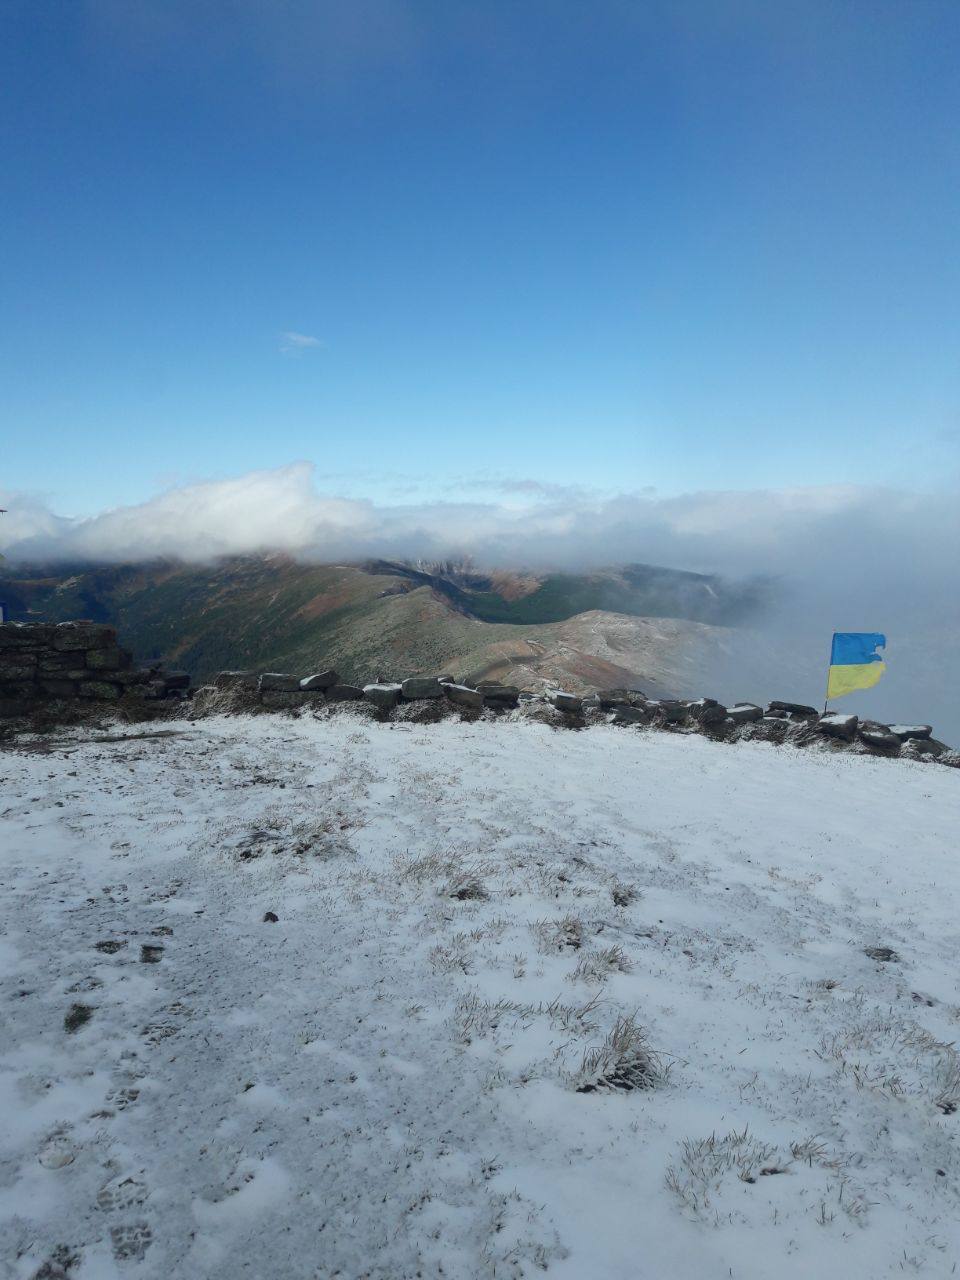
(827, 698)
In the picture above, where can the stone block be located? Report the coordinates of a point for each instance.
(567, 702)
(919, 748)
(384, 696)
(797, 709)
(666, 710)
(499, 695)
(83, 635)
(905, 731)
(277, 682)
(418, 687)
(707, 711)
(836, 725)
(322, 680)
(463, 696)
(50, 663)
(744, 713)
(109, 658)
(880, 740)
(610, 699)
(625, 714)
(25, 635)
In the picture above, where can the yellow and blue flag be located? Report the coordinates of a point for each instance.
(854, 661)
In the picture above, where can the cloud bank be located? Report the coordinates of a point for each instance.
(845, 557)
(859, 533)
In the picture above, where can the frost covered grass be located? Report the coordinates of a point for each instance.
(339, 998)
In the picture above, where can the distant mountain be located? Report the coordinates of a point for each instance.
(637, 625)
(640, 590)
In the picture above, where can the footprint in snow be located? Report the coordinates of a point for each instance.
(131, 1241)
(121, 1193)
(57, 1152)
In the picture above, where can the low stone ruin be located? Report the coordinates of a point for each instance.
(46, 666)
(778, 722)
(62, 670)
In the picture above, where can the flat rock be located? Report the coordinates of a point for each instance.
(463, 696)
(905, 731)
(920, 747)
(707, 711)
(384, 696)
(322, 680)
(418, 687)
(278, 682)
(610, 698)
(499, 695)
(836, 725)
(568, 702)
(794, 709)
(744, 713)
(24, 635)
(666, 710)
(880, 740)
(624, 714)
(83, 635)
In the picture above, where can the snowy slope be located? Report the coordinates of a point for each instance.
(383, 1082)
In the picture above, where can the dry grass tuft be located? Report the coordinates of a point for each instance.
(558, 935)
(596, 966)
(624, 894)
(466, 886)
(624, 1061)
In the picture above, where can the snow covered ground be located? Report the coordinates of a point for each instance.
(384, 1082)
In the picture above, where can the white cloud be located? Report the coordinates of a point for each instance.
(294, 344)
(763, 531)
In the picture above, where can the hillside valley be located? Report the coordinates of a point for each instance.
(637, 625)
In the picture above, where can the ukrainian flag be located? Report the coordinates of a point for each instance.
(854, 661)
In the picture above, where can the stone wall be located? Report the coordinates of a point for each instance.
(62, 668)
(80, 663)
(779, 722)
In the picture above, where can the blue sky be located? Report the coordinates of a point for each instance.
(673, 246)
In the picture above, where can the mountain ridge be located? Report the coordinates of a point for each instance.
(274, 611)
